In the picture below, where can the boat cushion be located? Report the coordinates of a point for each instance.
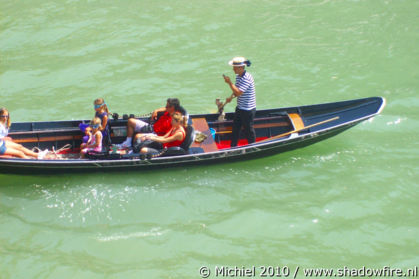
(102, 156)
(173, 151)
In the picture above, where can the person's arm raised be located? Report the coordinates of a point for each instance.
(236, 92)
(156, 112)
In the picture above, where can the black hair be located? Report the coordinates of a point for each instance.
(182, 110)
(174, 102)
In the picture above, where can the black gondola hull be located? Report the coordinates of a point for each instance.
(365, 109)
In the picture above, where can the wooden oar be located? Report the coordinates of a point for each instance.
(220, 107)
(298, 130)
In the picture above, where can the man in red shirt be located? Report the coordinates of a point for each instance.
(162, 124)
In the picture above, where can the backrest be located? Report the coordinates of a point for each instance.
(189, 137)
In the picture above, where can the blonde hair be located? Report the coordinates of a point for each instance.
(178, 117)
(96, 121)
(2, 111)
(100, 101)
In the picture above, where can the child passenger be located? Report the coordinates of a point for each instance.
(95, 141)
(102, 112)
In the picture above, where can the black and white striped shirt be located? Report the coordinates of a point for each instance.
(246, 84)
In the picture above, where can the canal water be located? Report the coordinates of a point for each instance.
(351, 200)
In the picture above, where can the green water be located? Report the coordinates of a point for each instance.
(349, 201)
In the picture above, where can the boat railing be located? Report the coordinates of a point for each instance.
(44, 131)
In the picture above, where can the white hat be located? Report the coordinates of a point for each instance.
(239, 62)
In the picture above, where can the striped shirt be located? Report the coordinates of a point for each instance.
(246, 84)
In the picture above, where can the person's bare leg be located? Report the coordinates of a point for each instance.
(15, 153)
(21, 148)
(131, 127)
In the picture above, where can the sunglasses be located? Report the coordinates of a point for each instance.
(94, 126)
(98, 106)
(4, 116)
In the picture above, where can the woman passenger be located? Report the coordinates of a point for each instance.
(8, 147)
(174, 137)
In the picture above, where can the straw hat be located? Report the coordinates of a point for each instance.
(239, 62)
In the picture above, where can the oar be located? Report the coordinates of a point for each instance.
(220, 107)
(298, 130)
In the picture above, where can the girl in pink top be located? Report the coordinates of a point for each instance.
(95, 141)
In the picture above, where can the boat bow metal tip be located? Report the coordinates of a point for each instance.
(382, 105)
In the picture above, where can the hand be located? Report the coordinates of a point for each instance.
(154, 115)
(227, 79)
(228, 100)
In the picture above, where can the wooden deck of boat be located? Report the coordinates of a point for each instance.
(201, 125)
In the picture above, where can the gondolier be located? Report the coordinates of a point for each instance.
(244, 90)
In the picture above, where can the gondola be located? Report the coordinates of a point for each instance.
(277, 130)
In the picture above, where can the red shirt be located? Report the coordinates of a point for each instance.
(176, 142)
(163, 124)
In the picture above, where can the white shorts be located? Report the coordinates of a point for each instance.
(139, 124)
